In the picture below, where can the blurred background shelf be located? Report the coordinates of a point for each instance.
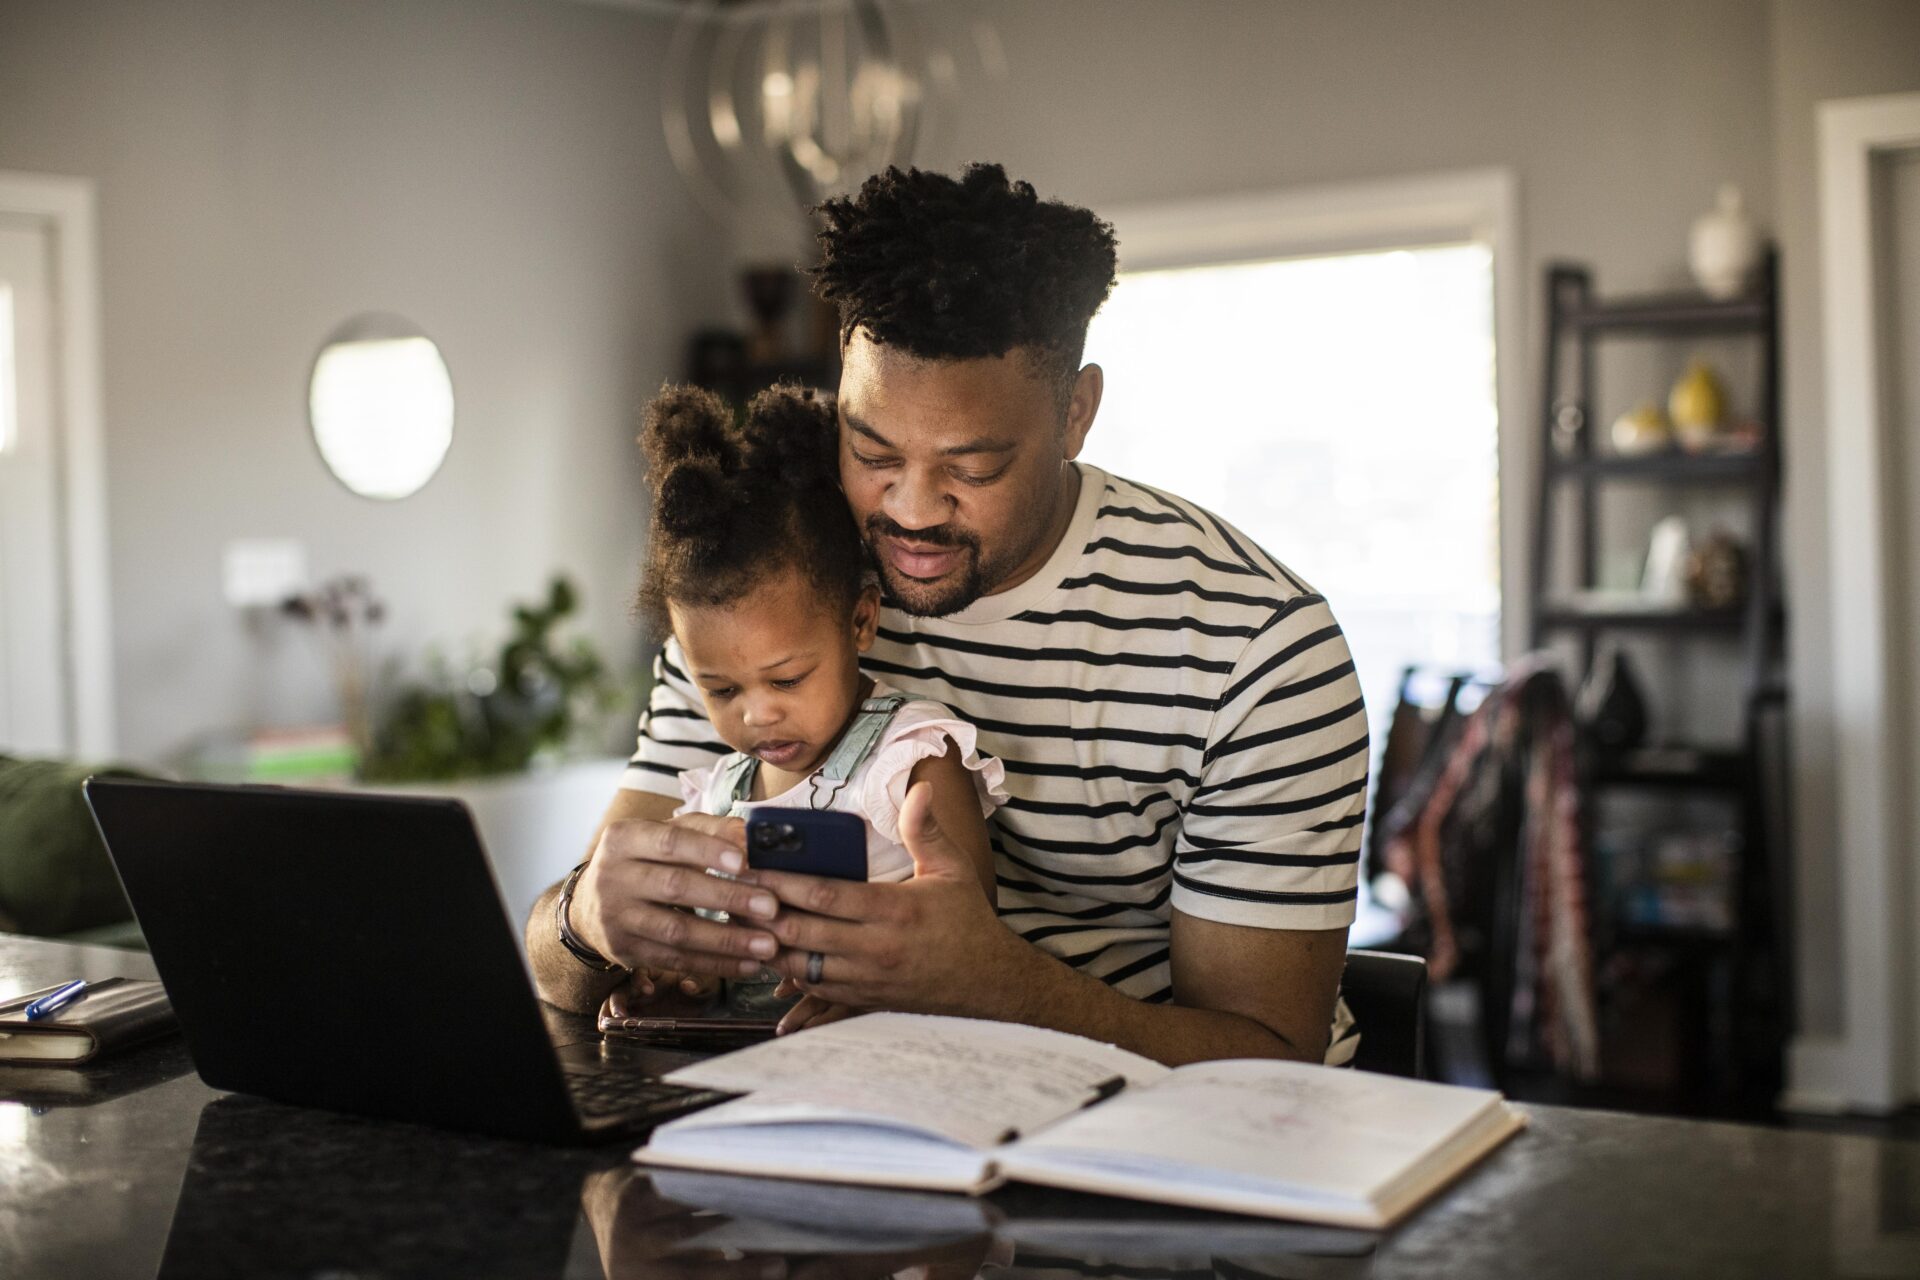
(1673, 766)
(1568, 615)
(1688, 878)
(1741, 467)
(1667, 315)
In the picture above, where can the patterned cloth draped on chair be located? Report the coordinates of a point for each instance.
(1489, 840)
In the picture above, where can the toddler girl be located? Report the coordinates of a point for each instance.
(755, 566)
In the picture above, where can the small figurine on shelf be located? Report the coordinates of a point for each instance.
(1717, 572)
(1698, 406)
(1663, 579)
(1641, 431)
(1611, 709)
(1724, 246)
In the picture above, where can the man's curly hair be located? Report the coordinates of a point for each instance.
(961, 269)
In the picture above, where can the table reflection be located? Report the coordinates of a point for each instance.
(272, 1190)
(676, 1223)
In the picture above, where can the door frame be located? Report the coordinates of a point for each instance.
(65, 207)
(1874, 1061)
(1352, 217)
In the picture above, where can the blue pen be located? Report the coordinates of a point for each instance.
(53, 1000)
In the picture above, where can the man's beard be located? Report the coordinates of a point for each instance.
(929, 599)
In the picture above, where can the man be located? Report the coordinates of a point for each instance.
(1178, 714)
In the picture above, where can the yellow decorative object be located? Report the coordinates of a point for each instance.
(1697, 405)
(1641, 431)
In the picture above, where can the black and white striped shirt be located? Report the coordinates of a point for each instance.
(1181, 727)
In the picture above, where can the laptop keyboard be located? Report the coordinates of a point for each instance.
(623, 1093)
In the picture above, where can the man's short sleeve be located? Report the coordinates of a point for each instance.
(674, 733)
(1271, 838)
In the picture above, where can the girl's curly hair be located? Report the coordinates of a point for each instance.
(736, 500)
(948, 268)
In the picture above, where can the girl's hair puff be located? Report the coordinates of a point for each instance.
(738, 500)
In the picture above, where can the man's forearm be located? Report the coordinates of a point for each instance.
(558, 975)
(1044, 992)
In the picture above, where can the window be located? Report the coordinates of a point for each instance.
(1339, 409)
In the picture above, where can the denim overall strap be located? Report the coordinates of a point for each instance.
(732, 784)
(858, 742)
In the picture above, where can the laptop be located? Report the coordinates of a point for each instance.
(350, 951)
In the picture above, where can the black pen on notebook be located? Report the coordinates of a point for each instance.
(1101, 1092)
(56, 999)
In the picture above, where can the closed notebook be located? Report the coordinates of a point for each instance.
(113, 1014)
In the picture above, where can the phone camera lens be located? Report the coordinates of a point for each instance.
(776, 838)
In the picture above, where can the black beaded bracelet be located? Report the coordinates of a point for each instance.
(568, 938)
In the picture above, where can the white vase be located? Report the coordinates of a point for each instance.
(1724, 246)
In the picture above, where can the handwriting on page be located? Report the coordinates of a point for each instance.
(964, 1079)
(1340, 1131)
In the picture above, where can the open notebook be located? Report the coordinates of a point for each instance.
(956, 1104)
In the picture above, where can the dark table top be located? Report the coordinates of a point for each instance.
(135, 1168)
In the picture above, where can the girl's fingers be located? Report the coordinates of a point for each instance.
(832, 1013)
(801, 1015)
(637, 990)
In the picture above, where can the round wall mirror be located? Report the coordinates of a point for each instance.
(381, 406)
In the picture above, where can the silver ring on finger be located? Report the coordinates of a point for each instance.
(815, 961)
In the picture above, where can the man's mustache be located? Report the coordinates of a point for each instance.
(879, 526)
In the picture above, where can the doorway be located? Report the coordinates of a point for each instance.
(1898, 189)
(1870, 261)
(35, 712)
(56, 686)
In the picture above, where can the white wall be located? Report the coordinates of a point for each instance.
(491, 169)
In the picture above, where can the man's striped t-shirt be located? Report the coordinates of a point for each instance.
(1181, 727)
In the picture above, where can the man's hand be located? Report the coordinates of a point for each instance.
(634, 901)
(931, 944)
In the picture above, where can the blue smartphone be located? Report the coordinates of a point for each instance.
(812, 842)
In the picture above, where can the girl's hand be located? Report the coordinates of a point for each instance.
(812, 1011)
(648, 985)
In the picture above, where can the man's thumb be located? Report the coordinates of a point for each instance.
(933, 853)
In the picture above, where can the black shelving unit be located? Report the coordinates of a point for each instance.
(1737, 996)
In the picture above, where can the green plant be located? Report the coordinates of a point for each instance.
(531, 701)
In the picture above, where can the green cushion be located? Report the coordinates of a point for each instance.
(55, 877)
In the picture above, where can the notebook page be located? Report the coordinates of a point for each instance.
(1321, 1133)
(965, 1079)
